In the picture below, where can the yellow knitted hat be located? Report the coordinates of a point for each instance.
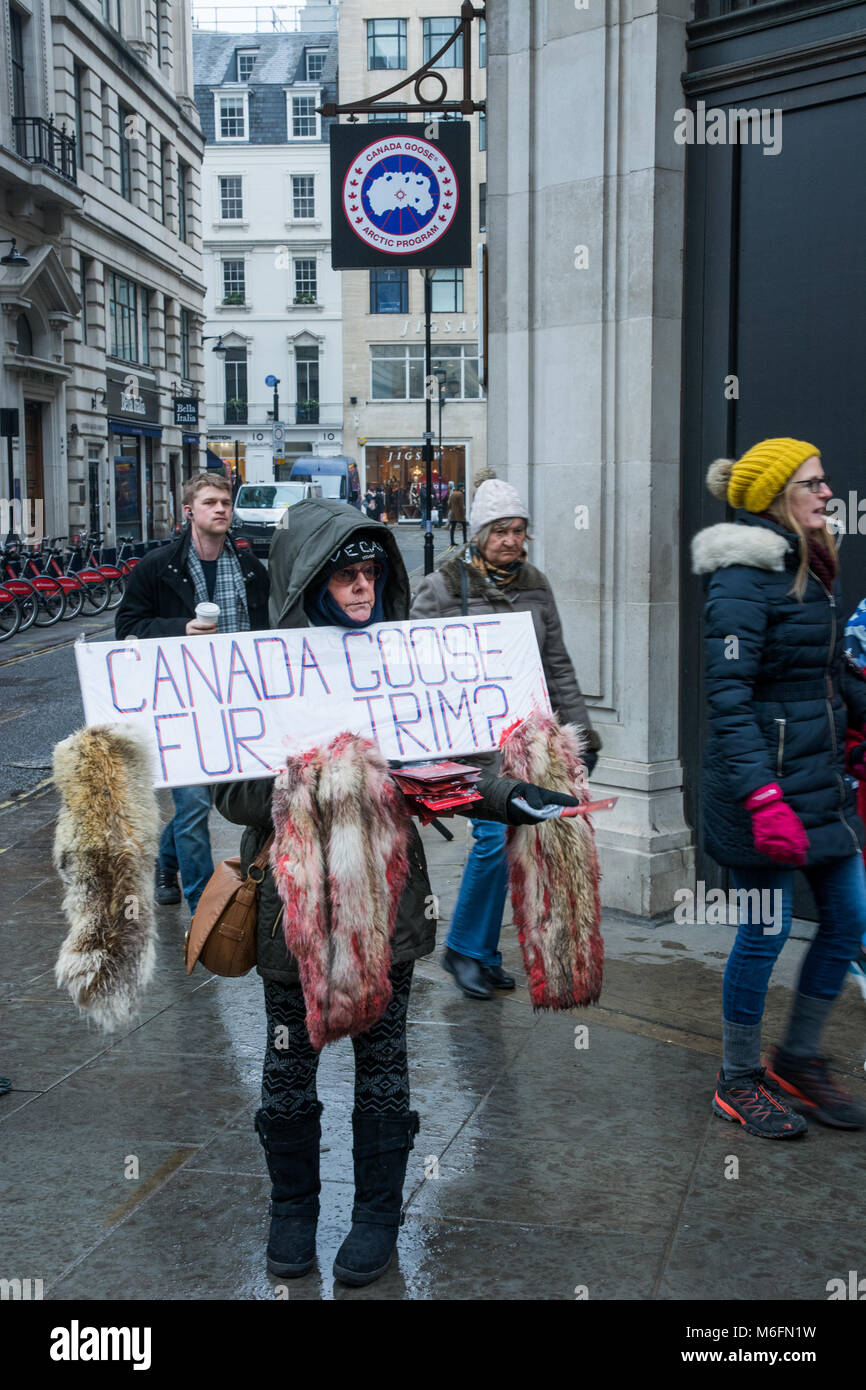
(759, 476)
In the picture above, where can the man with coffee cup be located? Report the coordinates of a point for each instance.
(199, 584)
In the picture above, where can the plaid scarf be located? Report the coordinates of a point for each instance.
(229, 592)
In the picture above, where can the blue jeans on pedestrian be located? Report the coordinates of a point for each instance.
(185, 841)
(839, 889)
(423, 522)
(477, 919)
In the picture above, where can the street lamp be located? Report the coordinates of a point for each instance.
(441, 376)
(428, 430)
(220, 346)
(13, 257)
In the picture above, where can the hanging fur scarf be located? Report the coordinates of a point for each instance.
(104, 848)
(554, 871)
(339, 862)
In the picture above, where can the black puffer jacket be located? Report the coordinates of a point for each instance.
(298, 554)
(780, 691)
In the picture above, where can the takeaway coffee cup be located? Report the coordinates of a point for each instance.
(207, 612)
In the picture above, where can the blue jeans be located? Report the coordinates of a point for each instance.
(185, 841)
(477, 919)
(840, 894)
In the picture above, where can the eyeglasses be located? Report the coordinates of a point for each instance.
(815, 484)
(370, 572)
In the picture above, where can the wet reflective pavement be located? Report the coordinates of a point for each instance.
(551, 1160)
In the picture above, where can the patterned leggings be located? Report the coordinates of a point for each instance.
(381, 1069)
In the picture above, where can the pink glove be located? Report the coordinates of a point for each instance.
(777, 831)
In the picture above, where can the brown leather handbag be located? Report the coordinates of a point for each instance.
(222, 934)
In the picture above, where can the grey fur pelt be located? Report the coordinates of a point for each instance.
(104, 851)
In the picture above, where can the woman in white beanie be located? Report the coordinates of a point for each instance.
(494, 575)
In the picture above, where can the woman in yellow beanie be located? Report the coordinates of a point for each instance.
(781, 698)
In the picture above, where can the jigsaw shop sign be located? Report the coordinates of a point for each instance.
(235, 706)
(402, 198)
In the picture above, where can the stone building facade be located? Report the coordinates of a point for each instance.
(383, 311)
(587, 215)
(273, 301)
(122, 249)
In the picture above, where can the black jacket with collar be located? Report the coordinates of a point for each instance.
(160, 595)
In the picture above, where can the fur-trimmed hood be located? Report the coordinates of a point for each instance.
(755, 542)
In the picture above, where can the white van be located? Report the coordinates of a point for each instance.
(259, 508)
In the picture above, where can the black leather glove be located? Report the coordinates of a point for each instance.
(542, 804)
(590, 759)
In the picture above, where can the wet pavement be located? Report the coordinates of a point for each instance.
(559, 1157)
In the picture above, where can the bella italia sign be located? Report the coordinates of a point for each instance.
(235, 706)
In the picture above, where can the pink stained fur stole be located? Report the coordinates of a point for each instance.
(339, 859)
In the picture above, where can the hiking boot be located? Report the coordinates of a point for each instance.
(755, 1102)
(808, 1081)
(165, 887)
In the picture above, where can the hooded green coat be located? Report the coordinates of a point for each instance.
(299, 554)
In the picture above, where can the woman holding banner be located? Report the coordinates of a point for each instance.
(331, 568)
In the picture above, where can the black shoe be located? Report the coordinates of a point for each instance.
(381, 1152)
(807, 1080)
(469, 974)
(292, 1152)
(165, 887)
(498, 978)
(755, 1102)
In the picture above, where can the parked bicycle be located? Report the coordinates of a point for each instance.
(43, 600)
(10, 614)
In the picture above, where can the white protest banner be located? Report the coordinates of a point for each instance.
(234, 706)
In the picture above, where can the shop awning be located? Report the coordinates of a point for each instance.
(127, 427)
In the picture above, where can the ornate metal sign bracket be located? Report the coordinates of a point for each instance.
(466, 106)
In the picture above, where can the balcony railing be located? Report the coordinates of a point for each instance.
(40, 142)
(236, 414)
(307, 413)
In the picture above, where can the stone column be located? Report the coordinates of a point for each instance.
(169, 157)
(172, 336)
(154, 180)
(586, 218)
(110, 139)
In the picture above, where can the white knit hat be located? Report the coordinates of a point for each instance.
(494, 500)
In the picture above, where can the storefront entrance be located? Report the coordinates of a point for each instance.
(33, 451)
(400, 470)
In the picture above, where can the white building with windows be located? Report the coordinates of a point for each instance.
(100, 148)
(273, 302)
(383, 310)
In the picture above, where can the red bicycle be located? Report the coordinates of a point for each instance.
(80, 585)
(10, 614)
(43, 600)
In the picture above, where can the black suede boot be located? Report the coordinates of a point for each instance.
(292, 1152)
(381, 1152)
